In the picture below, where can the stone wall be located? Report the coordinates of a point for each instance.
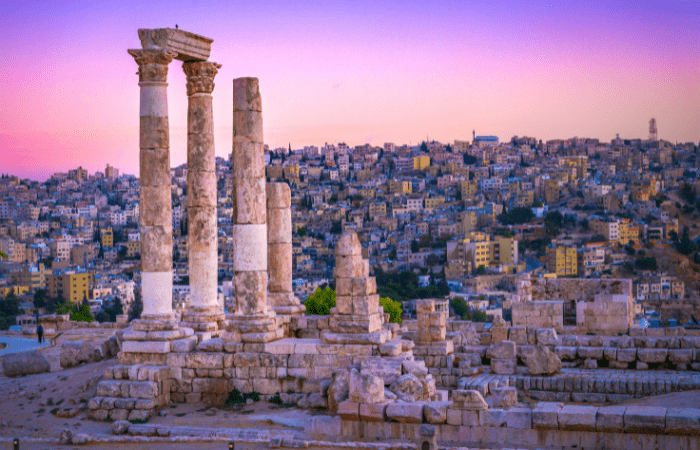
(548, 425)
(539, 314)
(607, 313)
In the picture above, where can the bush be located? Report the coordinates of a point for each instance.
(459, 306)
(235, 397)
(276, 399)
(320, 302)
(392, 308)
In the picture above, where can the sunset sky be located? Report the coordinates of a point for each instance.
(356, 72)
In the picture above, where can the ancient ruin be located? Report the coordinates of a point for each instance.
(432, 380)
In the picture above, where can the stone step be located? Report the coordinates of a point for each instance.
(137, 372)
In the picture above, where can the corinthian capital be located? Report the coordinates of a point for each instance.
(153, 63)
(200, 76)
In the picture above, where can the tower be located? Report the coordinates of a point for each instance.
(652, 130)
(473, 136)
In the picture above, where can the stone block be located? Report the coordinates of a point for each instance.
(652, 355)
(405, 412)
(492, 418)
(373, 412)
(146, 347)
(519, 418)
(436, 412)
(627, 355)
(366, 388)
(683, 421)
(503, 366)
(645, 420)
(470, 400)
(502, 350)
(547, 336)
(578, 418)
(545, 416)
(388, 370)
(364, 286)
(504, 397)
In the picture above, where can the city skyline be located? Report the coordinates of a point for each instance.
(359, 73)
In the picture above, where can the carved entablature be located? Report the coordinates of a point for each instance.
(153, 63)
(200, 76)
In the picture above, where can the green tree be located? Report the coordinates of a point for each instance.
(301, 231)
(136, 307)
(424, 147)
(336, 227)
(686, 246)
(481, 270)
(415, 247)
(553, 222)
(459, 306)
(392, 308)
(40, 298)
(320, 302)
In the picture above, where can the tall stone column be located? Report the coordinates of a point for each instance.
(203, 313)
(155, 198)
(279, 252)
(253, 321)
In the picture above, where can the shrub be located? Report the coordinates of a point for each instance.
(392, 308)
(320, 302)
(276, 399)
(236, 398)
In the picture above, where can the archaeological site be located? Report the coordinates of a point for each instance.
(568, 370)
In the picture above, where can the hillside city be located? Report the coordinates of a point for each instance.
(435, 220)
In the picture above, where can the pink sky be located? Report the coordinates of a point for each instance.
(356, 72)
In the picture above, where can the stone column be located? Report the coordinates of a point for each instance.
(203, 313)
(155, 200)
(253, 321)
(279, 251)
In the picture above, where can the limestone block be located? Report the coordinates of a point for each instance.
(184, 345)
(436, 412)
(247, 127)
(425, 306)
(200, 152)
(202, 229)
(499, 334)
(610, 353)
(518, 335)
(546, 416)
(359, 324)
(416, 368)
(373, 412)
(493, 418)
(365, 304)
(154, 167)
(201, 188)
(590, 364)
(627, 355)
(156, 205)
(246, 94)
(503, 366)
(251, 289)
(645, 420)
(541, 360)
(405, 412)
(610, 419)
(565, 353)
(250, 247)
(408, 388)
(279, 196)
(348, 266)
(248, 202)
(366, 388)
(279, 230)
(348, 245)
(156, 248)
(388, 370)
(519, 418)
(364, 286)
(343, 303)
(683, 421)
(469, 400)
(504, 397)
(680, 356)
(153, 132)
(502, 350)
(145, 346)
(652, 355)
(547, 336)
(201, 360)
(279, 262)
(578, 418)
(590, 352)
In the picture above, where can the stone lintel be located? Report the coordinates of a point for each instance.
(188, 46)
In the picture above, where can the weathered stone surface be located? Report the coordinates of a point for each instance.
(503, 366)
(610, 418)
(502, 350)
(492, 418)
(416, 368)
(24, 363)
(348, 245)
(74, 353)
(366, 388)
(542, 361)
(545, 416)
(547, 336)
(519, 418)
(470, 337)
(388, 370)
(652, 355)
(469, 400)
(436, 412)
(578, 418)
(408, 388)
(645, 419)
(504, 397)
(683, 421)
(405, 412)
(373, 412)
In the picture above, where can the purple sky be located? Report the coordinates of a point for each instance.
(355, 72)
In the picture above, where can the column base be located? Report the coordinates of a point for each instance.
(293, 310)
(155, 322)
(206, 319)
(258, 328)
